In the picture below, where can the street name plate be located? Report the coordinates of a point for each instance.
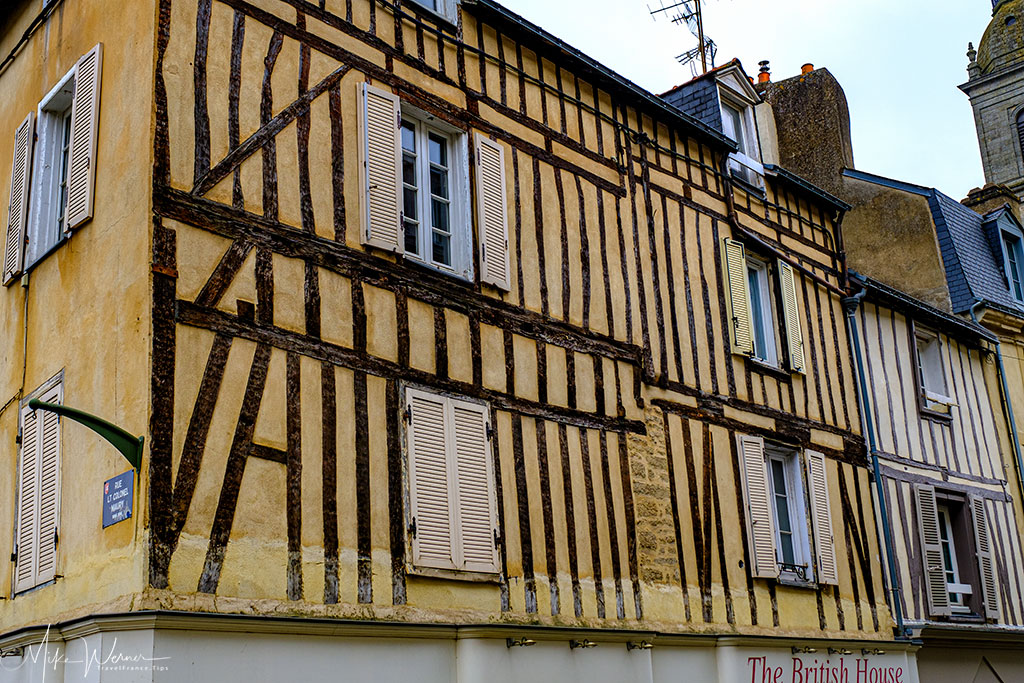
(118, 494)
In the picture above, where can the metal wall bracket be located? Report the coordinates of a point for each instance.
(128, 445)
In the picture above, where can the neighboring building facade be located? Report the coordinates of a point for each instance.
(450, 341)
(947, 444)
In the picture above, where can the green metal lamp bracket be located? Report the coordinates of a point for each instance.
(129, 446)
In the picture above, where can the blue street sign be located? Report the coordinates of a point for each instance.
(118, 494)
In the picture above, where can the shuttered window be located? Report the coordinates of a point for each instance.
(760, 518)
(21, 173)
(986, 562)
(38, 505)
(81, 159)
(821, 518)
(451, 484)
(416, 190)
(933, 565)
(492, 219)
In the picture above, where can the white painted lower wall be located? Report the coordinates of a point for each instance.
(184, 655)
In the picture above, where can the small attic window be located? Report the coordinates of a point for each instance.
(1011, 20)
(1014, 262)
(738, 124)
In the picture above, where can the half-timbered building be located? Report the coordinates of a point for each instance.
(458, 357)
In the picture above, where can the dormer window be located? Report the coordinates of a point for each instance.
(1014, 261)
(445, 8)
(738, 124)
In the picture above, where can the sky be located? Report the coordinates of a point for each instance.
(899, 62)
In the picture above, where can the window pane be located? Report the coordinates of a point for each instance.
(442, 249)
(408, 169)
(408, 136)
(438, 148)
(409, 204)
(412, 239)
(439, 182)
(788, 556)
(440, 215)
(754, 284)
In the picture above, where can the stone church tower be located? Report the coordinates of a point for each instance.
(996, 89)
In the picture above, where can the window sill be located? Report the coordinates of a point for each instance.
(453, 574)
(795, 581)
(417, 263)
(935, 416)
(764, 368)
(748, 186)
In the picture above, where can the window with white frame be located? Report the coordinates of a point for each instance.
(452, 502)
(738, 125)
(792, 545)
(38, 496)
(417, 190)
(54, 167)
(446, 8)
(931, 372)
(788, 513)
(762, 315)
(430, 171)
(959, 592)
(1014, 264)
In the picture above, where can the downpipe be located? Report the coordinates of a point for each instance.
(850, 305)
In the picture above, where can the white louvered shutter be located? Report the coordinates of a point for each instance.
(821, 517)
(382, 169)
(17, 219)
(740, 333)
(27, 536)
(791, 315)
(85, 120)
(986, 561)
(49, 483)
(760, 518)
(429, 477)
(931, 551)
(492, 212)
(476, 516)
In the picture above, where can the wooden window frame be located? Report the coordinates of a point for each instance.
(924, 402)
(797, 501)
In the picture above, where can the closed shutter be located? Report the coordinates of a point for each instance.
(740, 333)
(760, 520)
(85, 119)
(429, 478)
(491, 212)
(931, 551)
(17, 219)
(986, 566)
(791, 315)
(49, 475)
(27, 536)
(382, 163)
(476, 518)
(821, 517)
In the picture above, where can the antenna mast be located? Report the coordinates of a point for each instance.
(689, 12)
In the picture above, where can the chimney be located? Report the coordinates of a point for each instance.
(764, 75)
(807, 68)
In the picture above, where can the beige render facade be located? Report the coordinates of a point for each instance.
(370, 456)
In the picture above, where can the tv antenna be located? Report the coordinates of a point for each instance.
(689, 12)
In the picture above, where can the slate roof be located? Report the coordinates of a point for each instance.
(972, 269)
(972, 261)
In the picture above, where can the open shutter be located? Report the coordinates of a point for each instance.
(492, 214)
(931, 551)
(986, 566)
(476, 515)
(760, 520)
(740, 333)
(49, 474)
(380, 120)
(429, 478)
(21, 173)
(821, 517)
(26, 536)
(791, 314)
(85, 119)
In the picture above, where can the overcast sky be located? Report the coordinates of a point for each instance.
(899, 61)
